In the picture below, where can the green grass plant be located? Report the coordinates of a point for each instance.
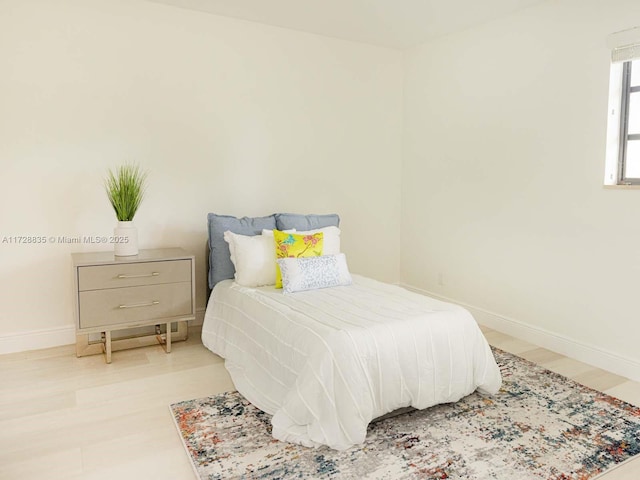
(126, 188)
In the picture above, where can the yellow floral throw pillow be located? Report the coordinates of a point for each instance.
(290, 245)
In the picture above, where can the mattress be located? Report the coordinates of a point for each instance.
(326, 362)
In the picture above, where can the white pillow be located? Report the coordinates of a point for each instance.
(253, 257)
(330, 239)
(300, 274)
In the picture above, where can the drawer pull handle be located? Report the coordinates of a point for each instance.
(148, 304)
(153, 274)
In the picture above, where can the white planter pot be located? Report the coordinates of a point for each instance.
(125, 241)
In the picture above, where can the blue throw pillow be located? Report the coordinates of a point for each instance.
(220, 266)
(287, 221)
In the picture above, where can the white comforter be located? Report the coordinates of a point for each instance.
(326, 362)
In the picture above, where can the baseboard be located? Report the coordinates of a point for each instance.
(37, 339)
(569, 347)
(56, 337)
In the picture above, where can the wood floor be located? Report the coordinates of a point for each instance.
(63, 417)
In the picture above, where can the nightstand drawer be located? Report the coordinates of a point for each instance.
(101, 308)
(133, 274)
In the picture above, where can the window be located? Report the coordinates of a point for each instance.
(629, 148)
(623, 126)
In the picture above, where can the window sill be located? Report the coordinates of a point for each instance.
(622, 187)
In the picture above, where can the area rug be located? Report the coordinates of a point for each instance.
(540, 425)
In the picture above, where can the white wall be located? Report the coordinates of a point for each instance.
(503, 207)
(227, 116)
(503, 204)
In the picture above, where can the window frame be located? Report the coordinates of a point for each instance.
(625, 136)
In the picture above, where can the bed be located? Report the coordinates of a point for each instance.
(325, 362)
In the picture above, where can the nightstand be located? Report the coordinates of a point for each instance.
(155, 287)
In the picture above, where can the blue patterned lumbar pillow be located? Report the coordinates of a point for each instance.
(300, 274)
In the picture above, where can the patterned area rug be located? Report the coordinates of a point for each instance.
(541, 425)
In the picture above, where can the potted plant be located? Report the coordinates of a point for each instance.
(125, 188)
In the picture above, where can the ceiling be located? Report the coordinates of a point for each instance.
(388, 23)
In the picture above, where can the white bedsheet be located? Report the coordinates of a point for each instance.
(326, 362)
